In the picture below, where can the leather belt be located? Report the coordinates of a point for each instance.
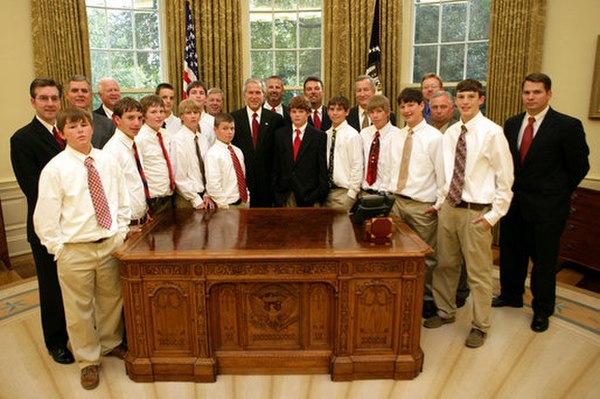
(472, 206)
(406, 197)
(137, 222)
(101, 240)
(239, 201)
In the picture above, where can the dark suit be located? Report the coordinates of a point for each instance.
(306, 177)
(553, 167)
(258, 160)
(104, 129)
(325, 121)
(100, 111)
(31, 148)
(353, 118)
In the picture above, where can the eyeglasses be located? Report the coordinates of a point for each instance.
(431, 87)
(48, 98)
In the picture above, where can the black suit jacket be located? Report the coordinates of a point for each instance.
(104, 129)
(325, 123)
(553, 167)
(258, 161)
(100, 111)
(307, 176)
(31, 148)
(353, 118)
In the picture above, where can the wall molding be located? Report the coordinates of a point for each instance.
(14, 209)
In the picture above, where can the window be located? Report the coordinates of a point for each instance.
(450, 38)
(125, 43)
(285, 40)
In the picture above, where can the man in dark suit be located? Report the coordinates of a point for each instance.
(109, 93)
(31, 148)
(358, 117)
(313, 91)
(299, 165)
(79, 95)
(254, 129)
(550, 159)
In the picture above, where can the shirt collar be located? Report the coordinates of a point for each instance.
(540, 115)
(46, 124)
(251, 113)
(340, 127)
(124, 138)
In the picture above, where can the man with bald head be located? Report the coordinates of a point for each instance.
(254, 129)
(109, 93)
(79, 95)
(358, 117)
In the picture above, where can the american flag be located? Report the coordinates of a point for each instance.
(374, 61)
(190, 57)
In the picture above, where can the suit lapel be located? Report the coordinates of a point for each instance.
(306, 140)
(44, 135)
(544, 133)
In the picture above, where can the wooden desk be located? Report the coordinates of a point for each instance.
(271, 291)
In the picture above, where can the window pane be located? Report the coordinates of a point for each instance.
(94, 3)
(148, 71)
(146, 30)
(310, 30)
(477, 55)
(309, 4)
(100, 65)
(123, 69)
(260, 5)
(310, 64)
(121, 34)
(285, 66)
(454, 22)
(261, 63)
(479, 28)
(285, 4)
(145, 4)
(425, 61)
(452, 62)
(285, 30)
(118, 3)
(97, 28)
(261, 34)
(426, 24)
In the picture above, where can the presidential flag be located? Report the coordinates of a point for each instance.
(374, 61)
(190, 57)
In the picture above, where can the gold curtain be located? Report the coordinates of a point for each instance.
(218, 43)
(347, 32)
(516, 44)
(60, 39)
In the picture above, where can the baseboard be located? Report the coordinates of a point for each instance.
(14, 209)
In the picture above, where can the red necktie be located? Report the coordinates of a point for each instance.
(255, 126)
(527, 139)
(239, 174)
(458, 176)
(373, 160)
(98, 196)
(297, 142)
(138, 163)
(273, 109)
(57, 137)
(316, 120)
(167, 160)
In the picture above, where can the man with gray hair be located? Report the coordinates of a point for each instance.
(214, 101)
(364, 89)
(79, 95)
(254, 129)
(109, 92)
(442, 115)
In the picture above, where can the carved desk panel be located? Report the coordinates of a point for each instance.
(271, 291)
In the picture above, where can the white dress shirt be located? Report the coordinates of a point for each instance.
(488, 167)
(207, 127)
(425, 168)
(153, 160)
(188, 176)
(172, 123)
(347, 158)
(249, 112)
(120, 146)
(278, 108)
(47, 125)
(302, 130)
(367, 135)
(221, 179)
(64, 212)
(108, 112)
(539, 118)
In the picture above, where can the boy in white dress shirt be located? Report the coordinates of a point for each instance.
(82, 216)
(478, 176)
(225, 169)
(167, 93)
(344, 156)
(416, 177)
(154, 147)
(190, 145)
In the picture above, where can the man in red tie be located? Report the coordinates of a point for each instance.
(550, 157)
(254, 130)
(275, 90)
(313, 91)
(82, 216)
(299, 164)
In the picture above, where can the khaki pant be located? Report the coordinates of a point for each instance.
(458, 236)
(338, 198)
(425, 225)
(91, 290)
